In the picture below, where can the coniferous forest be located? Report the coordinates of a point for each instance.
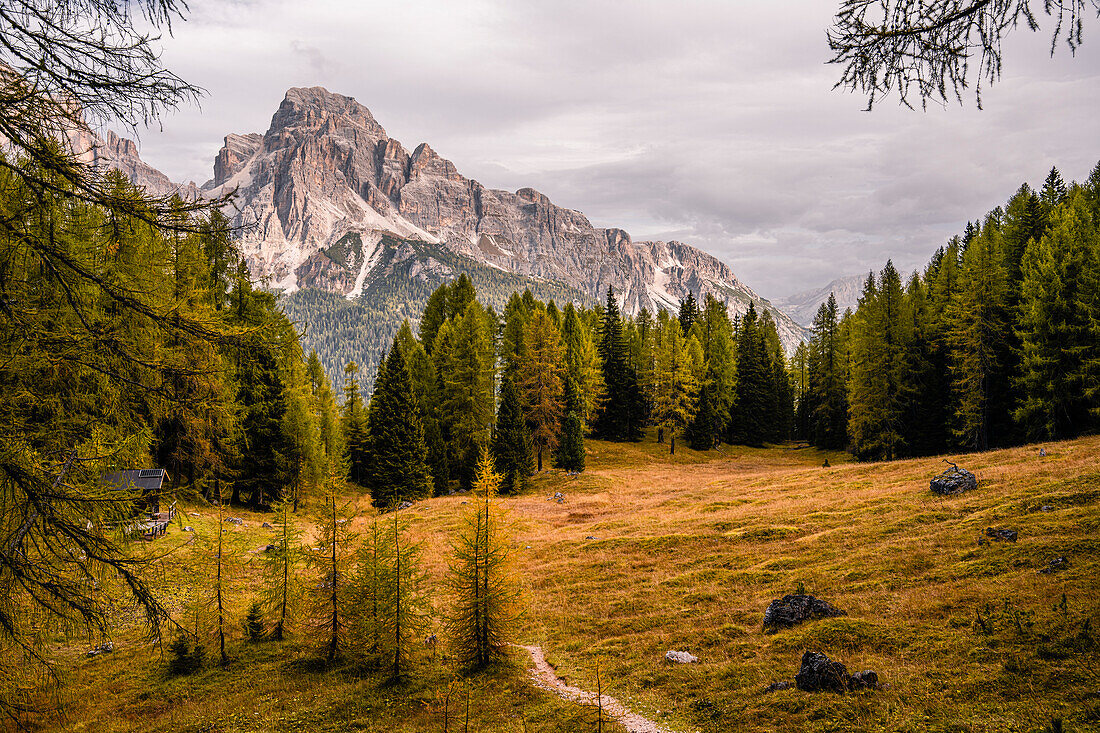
(995, 343)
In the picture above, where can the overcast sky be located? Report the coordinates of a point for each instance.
(714, 123)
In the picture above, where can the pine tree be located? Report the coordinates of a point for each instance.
(1058, 325)
(622, 413)
(977, 322)
(484, 607)
(395, 453)
(542, 386)
(879, 345)
(511, 443)
(689, 313)
(755, 396)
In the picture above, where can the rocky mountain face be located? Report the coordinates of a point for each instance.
(121, 154)
(802, 307)
(325, 174)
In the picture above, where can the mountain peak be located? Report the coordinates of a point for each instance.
(313, 107)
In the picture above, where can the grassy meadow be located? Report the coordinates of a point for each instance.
(648, 553)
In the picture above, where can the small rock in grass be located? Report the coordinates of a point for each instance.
(777, 686)
(1046, 508)
(590, 537)
(267, 525)
(234, 520)
(819, 673)
(865, 679)
(267, 548)
(954, 480)
(1055, 565)
(793, 609)
(680, 657)
(104, 648)
(1042, 452)
(1001, 535)
(188, 529)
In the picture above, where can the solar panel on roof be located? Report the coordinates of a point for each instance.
(149, 472)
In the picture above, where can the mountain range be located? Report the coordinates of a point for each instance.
(802, 307)
(356, 231)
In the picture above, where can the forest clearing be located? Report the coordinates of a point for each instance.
(647, 553)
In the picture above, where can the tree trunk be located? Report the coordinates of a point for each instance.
(540, 461)
(660, 435)
(672, 444)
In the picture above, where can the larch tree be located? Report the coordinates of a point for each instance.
(484, 605)
(676, 385)
(332, 601)
(875, 392)
(542, 383)
(282, 589)
(582, 364)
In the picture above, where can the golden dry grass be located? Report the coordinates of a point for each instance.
(687, 553)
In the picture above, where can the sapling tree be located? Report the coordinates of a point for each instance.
(485, 593)
(281, 587)
(332, 560)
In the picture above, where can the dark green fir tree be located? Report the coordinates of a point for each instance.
(511, 444)
(396, 466)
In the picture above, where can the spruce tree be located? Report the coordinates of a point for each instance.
(395, 454)
(622, 413)
(755, 396)
(1053, 192)
(689, 313)
(977, 323)
(511, 443)
(827, 409)
(570, 453)
(1058, 326)
(466, 365)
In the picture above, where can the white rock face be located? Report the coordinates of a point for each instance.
(680, 657)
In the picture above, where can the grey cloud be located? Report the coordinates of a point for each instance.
(712, 122)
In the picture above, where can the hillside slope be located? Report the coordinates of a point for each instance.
(646, 554)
